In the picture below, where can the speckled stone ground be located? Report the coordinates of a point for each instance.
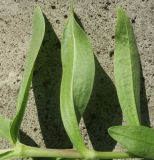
(42, 125)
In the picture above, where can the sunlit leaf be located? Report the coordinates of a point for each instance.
(77, 79)
(37, 38)
(127, 69)
(7, 154)
(139, 140)
(5, 125)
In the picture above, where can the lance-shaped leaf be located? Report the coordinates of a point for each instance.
(77, 79)
(37, 38)
(139, 140)
(127, 69)
(5, 125)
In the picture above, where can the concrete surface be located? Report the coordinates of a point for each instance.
(42, 124)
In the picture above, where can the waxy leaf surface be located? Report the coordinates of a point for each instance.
(5, 125)
(127, 69)
(77, 79)
(38, 31)
(139, 140)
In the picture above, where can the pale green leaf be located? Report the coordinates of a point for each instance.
(7, 154)
(139, 140)
(37, 38)
(127, 69)
(77, 79)
(5, 125)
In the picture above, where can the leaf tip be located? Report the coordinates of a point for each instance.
(110, 130)
(121, 12)
(114, 129)
(71, 14)
(71, 10)
(37, 9)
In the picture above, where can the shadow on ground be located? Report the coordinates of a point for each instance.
(145, 119)
(46, 86)
(103, 110)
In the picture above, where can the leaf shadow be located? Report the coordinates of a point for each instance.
(103, 111)
(145, 119)
(46, 87)
(25, 139)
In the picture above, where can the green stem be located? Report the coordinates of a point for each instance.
(111, 155)
(28, 151)
(40, 152)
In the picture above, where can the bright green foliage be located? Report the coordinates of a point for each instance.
(77, 79)
(37, 38)
(127, 69)
(139, 140)
(5, 129)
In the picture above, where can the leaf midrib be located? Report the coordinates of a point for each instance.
(73, 67)
(129, 137)
(132, 84)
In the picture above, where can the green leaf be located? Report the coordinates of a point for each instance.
(77, 79)
(127, 69)
(7, 154)
(5, 125)
(37, 38)
(139, 140)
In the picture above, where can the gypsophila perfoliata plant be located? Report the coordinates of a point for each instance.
(76, 86)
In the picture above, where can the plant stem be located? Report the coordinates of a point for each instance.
(28, 151)
(111, 155)
(40, 152)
